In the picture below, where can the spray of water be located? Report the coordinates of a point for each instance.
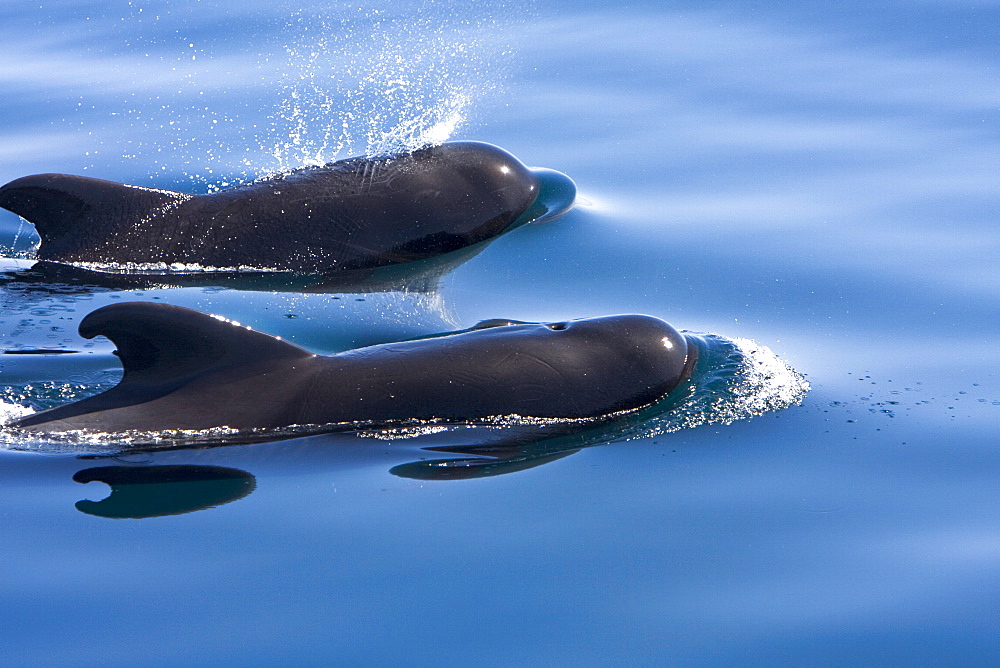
(366, 81)
(736, 379)
(318, 82)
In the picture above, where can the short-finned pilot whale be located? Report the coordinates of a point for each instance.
(184, 369)
(357, 213)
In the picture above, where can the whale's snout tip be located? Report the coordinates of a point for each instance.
(556, 193)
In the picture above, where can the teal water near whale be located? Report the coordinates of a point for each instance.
(804, 186)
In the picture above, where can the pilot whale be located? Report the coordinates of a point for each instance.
(184, 369)
(357, 213)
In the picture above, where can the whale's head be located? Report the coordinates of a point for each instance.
(523, 193)
(589, 367)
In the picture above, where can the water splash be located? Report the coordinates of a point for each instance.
(24, 244)
(11, 411)
(303, 86)
(18, 400)
(129, 268)
(735, 379)
(364, 81)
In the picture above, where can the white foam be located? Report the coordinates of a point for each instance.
(743, 380)
(9, 412)
(168, 268)
(767, 383)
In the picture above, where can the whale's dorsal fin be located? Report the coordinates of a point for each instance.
(75, 212)
(164, 345)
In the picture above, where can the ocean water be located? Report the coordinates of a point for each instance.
(812, 184)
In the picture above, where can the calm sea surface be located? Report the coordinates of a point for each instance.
(820, 179)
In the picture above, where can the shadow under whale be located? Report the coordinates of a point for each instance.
(139, 492)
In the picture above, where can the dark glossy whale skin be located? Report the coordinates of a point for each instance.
(187, 370)
(353, 214)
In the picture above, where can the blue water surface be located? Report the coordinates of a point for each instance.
(819, 178)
